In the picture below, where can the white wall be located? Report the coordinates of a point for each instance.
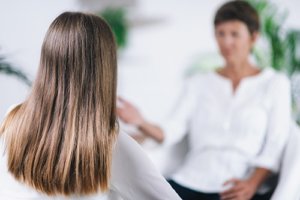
(23, 26)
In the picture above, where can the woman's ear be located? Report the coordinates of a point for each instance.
(254, 36)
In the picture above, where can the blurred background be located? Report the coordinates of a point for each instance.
(160, 43)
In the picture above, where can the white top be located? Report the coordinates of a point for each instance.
(289, 182)
(229, 133)
(133, 178)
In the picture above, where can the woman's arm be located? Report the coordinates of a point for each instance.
(152, 131)
(134, 177)
(131, 115)
(245, 189)
(279, 121)
(259, 176)
(288, 185)
(176, 125)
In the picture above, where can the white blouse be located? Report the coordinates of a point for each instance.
(133, 178)
(289, 182)
(229, 133)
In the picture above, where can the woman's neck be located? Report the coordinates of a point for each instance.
(239, 70)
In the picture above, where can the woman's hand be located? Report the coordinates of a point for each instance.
(241, 190)
(129, 113)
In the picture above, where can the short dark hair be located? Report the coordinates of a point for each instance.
(238, 10)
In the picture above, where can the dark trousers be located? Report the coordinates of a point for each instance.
(188, 194)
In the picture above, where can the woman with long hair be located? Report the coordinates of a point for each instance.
(63, 141)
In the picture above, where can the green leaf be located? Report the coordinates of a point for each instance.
(6, 68)
(115, 17)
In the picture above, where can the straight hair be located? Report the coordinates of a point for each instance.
(60, 139)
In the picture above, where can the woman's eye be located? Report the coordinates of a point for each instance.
(234, 34)
(220, 34)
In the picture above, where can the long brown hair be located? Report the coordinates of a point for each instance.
(60, 139)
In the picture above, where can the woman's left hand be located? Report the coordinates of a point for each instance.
(241, 190)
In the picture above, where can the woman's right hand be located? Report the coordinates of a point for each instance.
(129, 113)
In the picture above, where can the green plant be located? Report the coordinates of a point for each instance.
(293, 52)
(282, 53)
(116, 18)
(6, 68)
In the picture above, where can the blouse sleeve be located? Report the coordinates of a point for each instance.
(288, 185)
(177, 124)
(134, 177)
(278, 125)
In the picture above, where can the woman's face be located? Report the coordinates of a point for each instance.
(234, 40)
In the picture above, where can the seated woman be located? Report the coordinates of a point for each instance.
(63, 141)
(237, 118)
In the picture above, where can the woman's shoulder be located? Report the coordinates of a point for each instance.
(277, 82)
(8, 117)
(277, 78)
(125, 145)
(133, 175)
(12, 107)
(276, 75)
